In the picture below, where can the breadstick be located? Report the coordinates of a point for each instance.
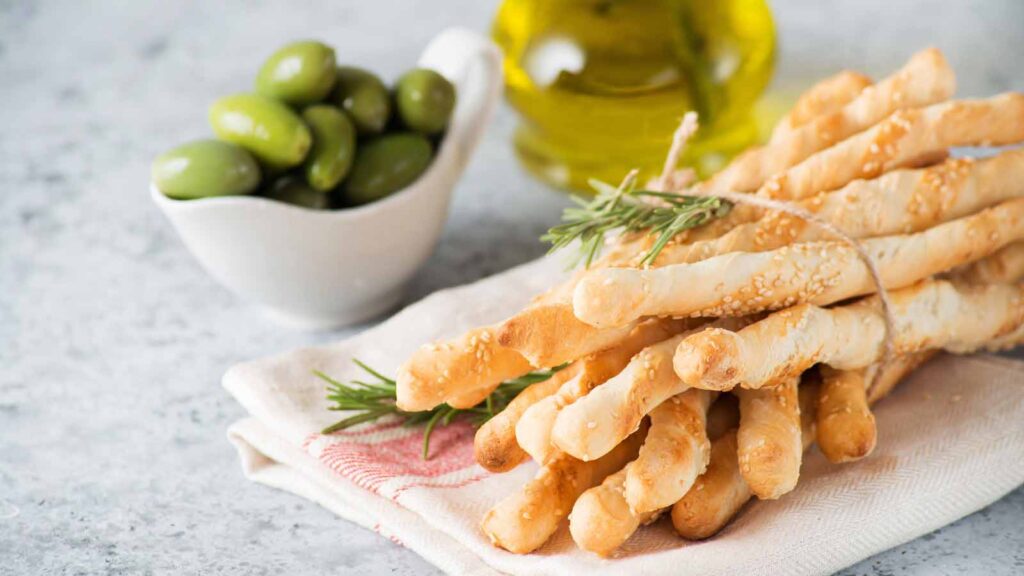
(494, 445)
(601, 520)
(931, 314)
(816, 272)
(674, 454)
(524, 520)
(464, 370)
(721, 491)
(533, 430)
(824, 97)
(902, 138)
(846, 426)
(768, 440)
(716, 496)
(1006, 265)
(925, 79)
(898, 202)
(550, 334)
(436, 372)
(597, 422)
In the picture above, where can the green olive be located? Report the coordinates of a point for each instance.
(364, 98)
(425, 100)
(386, 164)
(300, 73)
(334, 145)
(205, 168)
(293, 190)
(263, 126)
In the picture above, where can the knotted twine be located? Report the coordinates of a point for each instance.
(680, 181)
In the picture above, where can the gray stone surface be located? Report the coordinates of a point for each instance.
(112, 341)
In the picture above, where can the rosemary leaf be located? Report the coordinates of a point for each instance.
(664, 214)
(371, 401)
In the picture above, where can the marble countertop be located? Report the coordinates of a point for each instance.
(113, 458)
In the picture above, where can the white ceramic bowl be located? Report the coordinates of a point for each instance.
(322, 269)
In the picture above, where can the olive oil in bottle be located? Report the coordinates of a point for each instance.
(601, 85)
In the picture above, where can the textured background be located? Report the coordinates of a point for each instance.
(113, 341)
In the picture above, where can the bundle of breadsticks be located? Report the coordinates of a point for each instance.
(695, 383)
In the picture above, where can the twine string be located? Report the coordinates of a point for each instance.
(687, 128)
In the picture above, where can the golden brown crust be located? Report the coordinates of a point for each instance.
(674, 454)
(534, 429)
(769, 444)
(494, 446)
(929, 315)
(898, 202)
(925, 79)
(716, 496)
(846, 426)
(901, 139)
(826, 96)
(437, 372)
(525, 519)
(818, 272)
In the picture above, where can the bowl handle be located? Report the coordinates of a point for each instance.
(473, 63)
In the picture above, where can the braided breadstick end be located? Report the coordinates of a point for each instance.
(524, 520)
(769, 445)
(846, 426)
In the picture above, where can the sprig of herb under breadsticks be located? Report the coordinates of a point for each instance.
(700, 371)
(369, 401)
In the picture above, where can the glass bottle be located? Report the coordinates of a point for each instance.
(602, 84)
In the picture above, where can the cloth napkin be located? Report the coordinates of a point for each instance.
(951, 441)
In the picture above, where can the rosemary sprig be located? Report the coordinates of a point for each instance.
(663, 213)
(376, 399)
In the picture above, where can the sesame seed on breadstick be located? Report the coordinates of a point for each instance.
(930, 314)
(525, 519)
(901, 139)
(721, 491)
(817, 272)
(602, 518)
(768, 441)
(825, 96)
(925, 79)
(533, 430)
(846, 426)
(494, 445)
(898, 202)
(597, 422)
(674, 454)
